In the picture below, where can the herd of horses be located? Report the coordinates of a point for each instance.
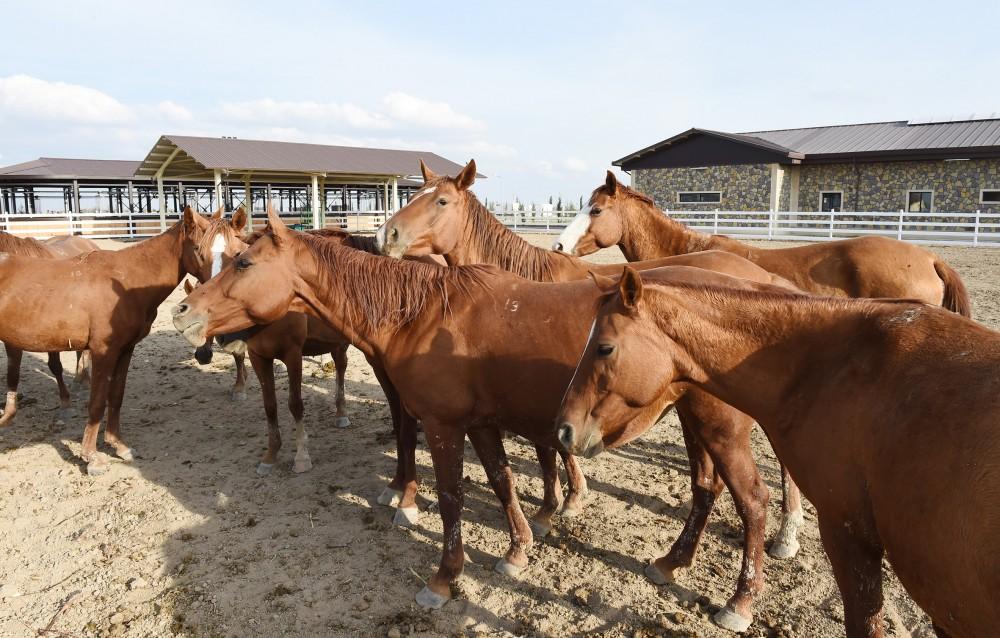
(857, 358)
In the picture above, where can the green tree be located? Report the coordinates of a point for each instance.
(558, 204)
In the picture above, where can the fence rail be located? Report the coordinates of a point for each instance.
(957, 228)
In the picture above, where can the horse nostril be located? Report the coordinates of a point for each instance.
(395, 233)
(557, 246)
(565, 434)
(181, 309)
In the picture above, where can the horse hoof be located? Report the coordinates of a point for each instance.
(128, 454)
(570, 512)
(782, 550)
(728, 618)
(238, 396)
(406, 516)
(343, 422)
(429, 599)
(654, 574)
(390, 497)
(507, 568)
(302, 465)
(538, 528)
(263, 469)
(98, 465)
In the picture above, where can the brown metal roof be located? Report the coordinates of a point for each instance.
(885, 140)
(65, 168)
(199, 154)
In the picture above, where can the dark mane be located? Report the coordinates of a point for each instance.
(624, 190)
(500, 246)
(358, 242)
(24, 246)
(386, 293)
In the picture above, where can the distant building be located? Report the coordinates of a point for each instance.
(918, 167)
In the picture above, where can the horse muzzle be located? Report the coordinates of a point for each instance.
(585, 444)
(189, 324)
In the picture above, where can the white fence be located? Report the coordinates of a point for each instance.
(960, 229)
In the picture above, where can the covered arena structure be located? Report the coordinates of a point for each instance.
(311, 185)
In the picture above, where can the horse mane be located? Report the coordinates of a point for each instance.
(622, 189)
(385, 292)
(358, 242)
(500, 246)
(24, 246)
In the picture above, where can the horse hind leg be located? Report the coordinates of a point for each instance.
(239, 391)
(116, 394)
(65, 408)
(339, 355)
(786, 543)
(13, 379)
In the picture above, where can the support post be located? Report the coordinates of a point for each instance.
(131, 209)
(975, 231)
(76, 204)
(899, 231)
(163, 203)
(315, 202)
(395, 194)
(248, 200)
(218, 188)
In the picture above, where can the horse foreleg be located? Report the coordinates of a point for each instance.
(339, 355)
(293, 363)
(541, 521)
(56, 368)
(706, 485)
(239, 391)
(13, 379)
(103, 369)
(447, 451)
(577, 484)
(855, 553)
(489, 447)
(116, 394)
(264, 369)
(786, 542)
(401, 492)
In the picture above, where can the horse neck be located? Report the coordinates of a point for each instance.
(484, 240)
(155, 263)
(755, 351)
(648, 233)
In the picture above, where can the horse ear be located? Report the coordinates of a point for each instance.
(467, 176)
(604, 284)
(611, 183)
(426, 172)
(188, 288)
(279, 232)
(192, 220)
(217, 214)
(239, 219)
(630, 288)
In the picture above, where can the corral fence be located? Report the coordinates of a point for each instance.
(977, 228)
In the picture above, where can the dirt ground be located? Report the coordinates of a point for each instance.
(189, 541)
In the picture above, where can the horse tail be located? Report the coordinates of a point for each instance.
(956, 297)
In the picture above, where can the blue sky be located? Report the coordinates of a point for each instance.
(543, 95)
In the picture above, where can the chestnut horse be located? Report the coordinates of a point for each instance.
(859, 267)
(54, 247)
(104, 301)
(445, 217)
(471, 351)
(884, 410)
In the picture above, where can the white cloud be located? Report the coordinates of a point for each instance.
(174, 111)
(576, 165)
(418, 111)
(29, 97)
(484, 148)
(275, 111)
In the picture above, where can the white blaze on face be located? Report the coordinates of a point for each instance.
(426, 191)
(576, 229)
(380, 236)
(218, 247)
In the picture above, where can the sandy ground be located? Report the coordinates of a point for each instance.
(189, 541)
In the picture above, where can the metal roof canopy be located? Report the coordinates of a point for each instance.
(177, 157)
(878, 141)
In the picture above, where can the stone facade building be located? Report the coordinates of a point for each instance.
(951, 166)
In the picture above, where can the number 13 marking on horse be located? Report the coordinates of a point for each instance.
(511, 305)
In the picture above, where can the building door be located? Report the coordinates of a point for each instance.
(830, 202)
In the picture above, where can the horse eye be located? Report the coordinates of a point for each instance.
(594, 212)
(442, 202)
(242, 263)
(605, 350)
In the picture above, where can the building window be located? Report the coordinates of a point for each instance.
(989, 196)
(700, 197)
(831, 201)
(919, 201)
